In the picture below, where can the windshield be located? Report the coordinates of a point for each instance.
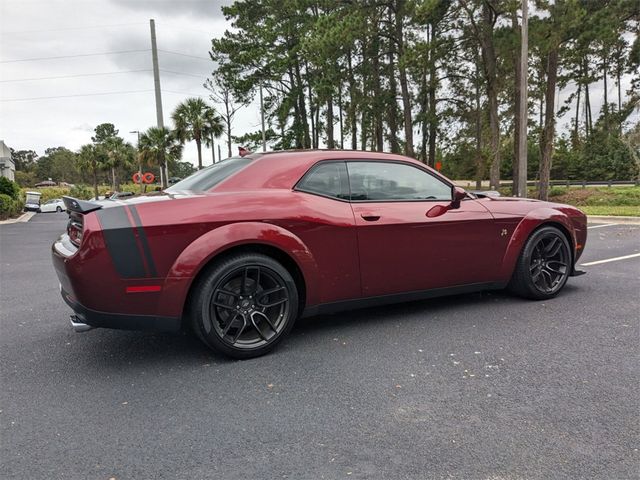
(209, 177)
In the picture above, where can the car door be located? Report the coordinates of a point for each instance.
(401, 249)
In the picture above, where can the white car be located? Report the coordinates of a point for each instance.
(55, 205)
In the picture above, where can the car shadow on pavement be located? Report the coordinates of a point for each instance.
(418, 309)
(117, 349)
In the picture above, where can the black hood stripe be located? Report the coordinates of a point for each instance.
(143, 240)
(121, 242)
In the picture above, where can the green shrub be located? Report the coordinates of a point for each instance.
(557, 191)
(82, 192)
(7, 187)
(10, 207)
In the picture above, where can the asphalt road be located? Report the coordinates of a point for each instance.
(482, 386)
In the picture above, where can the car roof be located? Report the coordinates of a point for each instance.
(282, 169)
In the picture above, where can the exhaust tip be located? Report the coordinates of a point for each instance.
(78, 325)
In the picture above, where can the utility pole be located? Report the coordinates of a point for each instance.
(156, 82)
(524, 110)
(264, 133)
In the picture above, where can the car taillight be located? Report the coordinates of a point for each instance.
(74, 229)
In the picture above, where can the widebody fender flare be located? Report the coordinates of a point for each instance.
(533, 220)
(215, 242)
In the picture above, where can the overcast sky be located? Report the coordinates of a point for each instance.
(36, 29)
(95, 92)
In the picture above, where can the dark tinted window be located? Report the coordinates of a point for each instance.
(328, 178)
(394, 181)
(209, 177)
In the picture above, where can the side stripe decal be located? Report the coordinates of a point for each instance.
(121, 242)
(143, 240)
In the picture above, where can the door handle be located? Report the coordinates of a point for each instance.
(369, 217)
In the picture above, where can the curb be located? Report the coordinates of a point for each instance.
(25, 217)
(613, 219)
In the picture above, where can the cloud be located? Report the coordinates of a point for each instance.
(195, 8)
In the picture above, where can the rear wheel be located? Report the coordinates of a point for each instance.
(544, 265)
(245, 305)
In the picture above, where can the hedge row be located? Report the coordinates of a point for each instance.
(10, 207)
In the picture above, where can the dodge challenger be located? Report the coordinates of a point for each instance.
(241, 249)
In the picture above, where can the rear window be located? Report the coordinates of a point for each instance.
(209, 177)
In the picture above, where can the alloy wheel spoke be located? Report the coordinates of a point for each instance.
(266, 319)
(550, 246)
(558, 262)
(240, 330)
(257, 328)
(228, 325)
(226, 307)
(267, 293)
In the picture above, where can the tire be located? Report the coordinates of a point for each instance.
(244, 305)
(544, 265)
(58, 210)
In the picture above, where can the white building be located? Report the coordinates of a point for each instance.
(7, 167)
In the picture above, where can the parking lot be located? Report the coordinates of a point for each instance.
(482, 386)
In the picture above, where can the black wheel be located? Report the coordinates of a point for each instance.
(58, 210)
(544, 265)
(245, 305)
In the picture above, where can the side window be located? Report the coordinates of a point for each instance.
(328, 179)
(394, 181)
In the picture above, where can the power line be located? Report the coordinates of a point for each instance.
(183, 93)
(88, 27)
(185, 55)
(185, 74)
(75, 95)
(74, 76)
(74, 56)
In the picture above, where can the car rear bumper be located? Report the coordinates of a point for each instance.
(84, 318)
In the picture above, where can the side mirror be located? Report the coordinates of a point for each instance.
(457, 195)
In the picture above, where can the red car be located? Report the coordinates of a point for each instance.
(241, 249)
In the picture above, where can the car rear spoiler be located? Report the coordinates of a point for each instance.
(80, 206)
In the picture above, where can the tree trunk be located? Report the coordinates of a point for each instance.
(433, 85)
(113, 179)
(546, 145)
(606, 97)
(378, 129)
(227, 108)
(351, 113)
(199, 148)
(517, 107)
(576, 125)
(340, 116)
(404, 84)
(95, 181)
(393, 107)
(330, 142)
(490, 75)
(479, 158)
(302, 109)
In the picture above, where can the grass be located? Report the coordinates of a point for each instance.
(620, 210)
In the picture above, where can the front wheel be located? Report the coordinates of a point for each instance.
(244, 305)
(544, 265)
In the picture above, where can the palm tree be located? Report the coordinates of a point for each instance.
(119, 154)
(195, 120)
(91, 160)
(157, 146)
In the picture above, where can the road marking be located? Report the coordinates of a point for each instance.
(600, 226)
(615, 259)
